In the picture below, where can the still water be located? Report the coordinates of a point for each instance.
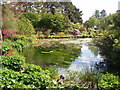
(87, 59)
(70, 55)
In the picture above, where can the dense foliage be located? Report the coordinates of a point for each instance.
(93, 21)
(60, 18)
(13, 62)
(110, 41)
(116, 19)
(32, 77)
(66, 8)
(8, 18)
(33, 17)
(109, 81)
(100, 20)
(25, 25)
(15, 72)
(55, 22)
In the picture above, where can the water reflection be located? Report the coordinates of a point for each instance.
(86, 60)
(60, 55)
(72, 55)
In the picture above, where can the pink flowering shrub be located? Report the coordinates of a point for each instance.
(8, 32)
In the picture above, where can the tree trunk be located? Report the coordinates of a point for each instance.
(0, 30)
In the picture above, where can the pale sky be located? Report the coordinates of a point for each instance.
(89, 6)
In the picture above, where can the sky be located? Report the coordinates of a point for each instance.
(89, 6)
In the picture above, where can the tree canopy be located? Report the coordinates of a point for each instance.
(116, 19)
(33, 17)
(55, 22)
(8, 18)
(66, 8)
(25, 26)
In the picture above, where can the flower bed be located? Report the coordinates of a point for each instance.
(54, 36)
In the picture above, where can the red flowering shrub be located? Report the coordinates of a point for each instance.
(10, 53)
(46, 36)
(38, 37)
(8, 32)
(2, 39)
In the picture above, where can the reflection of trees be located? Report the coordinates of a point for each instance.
(57, 54)
(112, 60)
(93, 49)
(29, 52)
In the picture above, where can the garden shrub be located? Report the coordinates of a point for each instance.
(10, 79)
(55, 22)
(33, 17)
(38, 79)
(30, 68)
(22, 43)
(6, 46)
(109, 81)
(13, 79)
(8, 32)
(53, 72)
(25, 25)
(34, 36)
(75, 26)
(11, 53)
(17, 46)
(21, 37)
(30, 39)
(13, 62)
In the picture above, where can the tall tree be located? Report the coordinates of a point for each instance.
(55, 22)
(97, 13)
(72, 12)
(33, 17)
(116, 19)
(25, 26)
(104, 23)
(66, 8)
(103, 13)
(93, 21)
(8, 18)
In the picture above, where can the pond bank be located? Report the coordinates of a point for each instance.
(48, 42)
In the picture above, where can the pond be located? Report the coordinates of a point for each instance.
(70, 55)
